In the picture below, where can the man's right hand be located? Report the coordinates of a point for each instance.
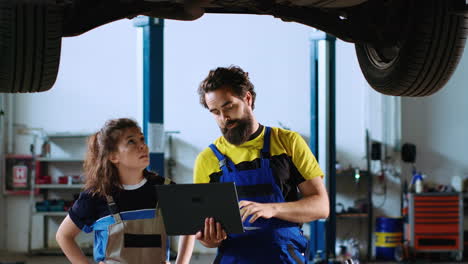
(212, 235)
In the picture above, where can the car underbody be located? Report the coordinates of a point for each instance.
(404, 47)
(352, 21)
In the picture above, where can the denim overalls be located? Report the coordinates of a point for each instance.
(266, 240)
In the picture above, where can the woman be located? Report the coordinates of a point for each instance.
(119, 201)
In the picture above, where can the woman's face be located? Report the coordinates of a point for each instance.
(132, 151)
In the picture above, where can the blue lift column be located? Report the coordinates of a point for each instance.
(153, 92)
(322, 136)
(153, 89)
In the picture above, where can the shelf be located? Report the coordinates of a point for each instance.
(64, 213)
(18, 156)
(68, 135)
(354, 215)
(60, 159)
(20, 192)
(59, 186)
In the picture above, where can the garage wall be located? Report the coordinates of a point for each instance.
(99, 79)
(351, 104)
(438, 126)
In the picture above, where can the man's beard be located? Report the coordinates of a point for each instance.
(240, 133)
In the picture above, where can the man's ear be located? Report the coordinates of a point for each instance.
(113, 157)
(248, 98)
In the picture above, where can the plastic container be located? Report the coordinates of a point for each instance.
(63, 180)
(42, 206)
(56, 205)
(417, 182)
(46, 179)
(418, 185)
(388, 233)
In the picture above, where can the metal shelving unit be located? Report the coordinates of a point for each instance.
(354, 215)
(71, 161)
(68, 135)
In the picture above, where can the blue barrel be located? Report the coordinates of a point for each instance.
(388, 232)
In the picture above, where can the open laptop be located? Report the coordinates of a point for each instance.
(185, 206)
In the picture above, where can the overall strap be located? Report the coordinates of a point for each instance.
(167, 180)
(266, 143)
(114, 210)
(223, 160)
(265, 154)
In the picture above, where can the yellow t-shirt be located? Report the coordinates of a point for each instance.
(291, 160)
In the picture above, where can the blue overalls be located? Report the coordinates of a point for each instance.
(275, 240)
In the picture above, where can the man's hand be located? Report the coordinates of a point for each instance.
(212, 235)
(256, 210)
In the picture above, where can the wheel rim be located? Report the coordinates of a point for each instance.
(382, 58)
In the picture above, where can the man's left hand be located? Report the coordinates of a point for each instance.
(256, 210)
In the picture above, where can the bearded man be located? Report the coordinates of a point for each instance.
(278, 180)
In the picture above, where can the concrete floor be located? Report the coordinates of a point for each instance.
(196, 259)
(200, 259)
(11, 258)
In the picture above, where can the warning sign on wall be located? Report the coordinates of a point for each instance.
(20, 176)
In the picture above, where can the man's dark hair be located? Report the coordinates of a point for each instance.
(232, 77)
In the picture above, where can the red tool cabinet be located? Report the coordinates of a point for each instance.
(435, 223)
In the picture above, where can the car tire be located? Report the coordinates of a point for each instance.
(30, 43)
(425, 58)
